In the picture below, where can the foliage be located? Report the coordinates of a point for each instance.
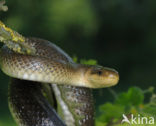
(130, 102)
(84, 61)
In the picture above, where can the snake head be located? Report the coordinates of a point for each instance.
(100, 77)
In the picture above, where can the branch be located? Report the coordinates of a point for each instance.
(15, 41)
(7, 34)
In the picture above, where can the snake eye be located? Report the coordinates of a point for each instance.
(97, 72)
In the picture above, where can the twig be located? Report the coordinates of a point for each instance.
(15, 41)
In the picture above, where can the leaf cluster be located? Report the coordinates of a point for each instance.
(130, 102)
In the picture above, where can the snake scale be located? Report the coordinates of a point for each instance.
(44, 71)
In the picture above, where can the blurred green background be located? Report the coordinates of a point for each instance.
(120, 34)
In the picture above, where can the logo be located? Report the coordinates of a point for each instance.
(137, 119)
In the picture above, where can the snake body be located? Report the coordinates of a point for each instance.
(70, 83)
(29, 107)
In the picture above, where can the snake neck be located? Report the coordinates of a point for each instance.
(78, 75)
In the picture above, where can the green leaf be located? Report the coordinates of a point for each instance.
(99, 123)
(89, 62)
(109, 112)
(134, 96)
(75, 59)
(149, 110)
(130, 102)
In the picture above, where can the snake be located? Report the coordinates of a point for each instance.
(47, 87)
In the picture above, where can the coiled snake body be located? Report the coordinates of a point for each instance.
(70, 83)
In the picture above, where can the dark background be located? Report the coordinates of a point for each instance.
(120, 34)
